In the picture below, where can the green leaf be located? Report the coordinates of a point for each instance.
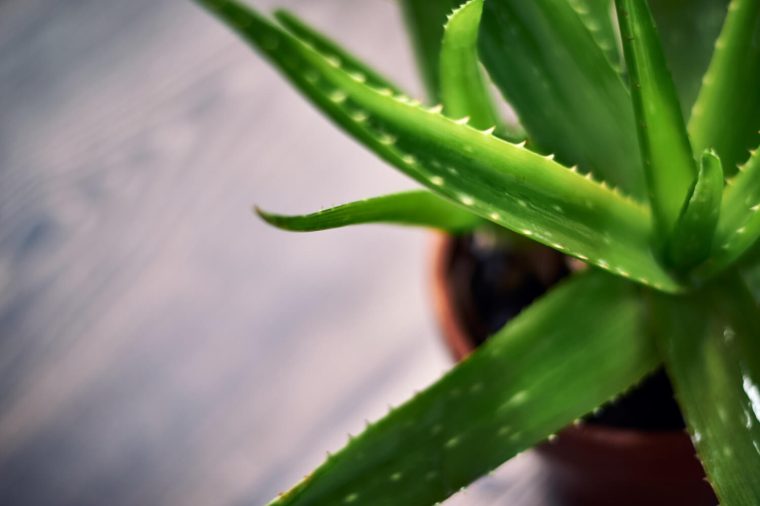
(569, 98)
(692, 237)
(688, 29)
(668, 161)
(597, 16)
(330, 49)
(730, 93)
(499, 181)
(739, 222)
(751, 276)
(712, 355)
(463, 91)
(418, 208)
(425, 20)
(528, 381)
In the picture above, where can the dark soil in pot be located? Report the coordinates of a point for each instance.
(634, 451)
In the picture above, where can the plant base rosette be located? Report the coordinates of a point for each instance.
(588, 464)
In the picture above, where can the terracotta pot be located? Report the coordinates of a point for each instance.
(590, 464)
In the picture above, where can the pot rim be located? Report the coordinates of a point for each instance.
(459, 345)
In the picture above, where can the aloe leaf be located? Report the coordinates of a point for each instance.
(597, 16)
(569, 98)
(417, 208)
(739, 222)
(528, 381)
(425, 20)
(692, 237)
(463, 91)
(730, 93)
(499, 181)
(712, 354)
(751, 276)
(668, 161)
(688, 29)
(331, 49)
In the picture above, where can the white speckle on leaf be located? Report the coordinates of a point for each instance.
(359, 116)
(753, 393)
(387, 139)
(358, 77)
(466, 200)
(338, 97)
(519, 398)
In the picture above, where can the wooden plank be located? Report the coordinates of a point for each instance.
(159, 345)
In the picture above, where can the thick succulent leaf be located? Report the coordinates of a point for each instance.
(528, 381)
(730, 93)
(688, 29)
(425, 20)
(739, 222)
(711, 344)
(668, 161)
(417, 208)
(463, 91)
(569, 98)
(329, 48)
(597, 16)
(499, 181)
(751, 276)
(692, 237)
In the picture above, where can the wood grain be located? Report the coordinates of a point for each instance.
(158, 345)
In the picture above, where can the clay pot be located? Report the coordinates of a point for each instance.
(589, 464)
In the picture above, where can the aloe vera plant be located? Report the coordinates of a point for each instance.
(651, 179)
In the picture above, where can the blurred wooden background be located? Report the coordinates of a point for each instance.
(159, 345)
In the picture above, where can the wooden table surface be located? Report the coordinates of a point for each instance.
(159, 345)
